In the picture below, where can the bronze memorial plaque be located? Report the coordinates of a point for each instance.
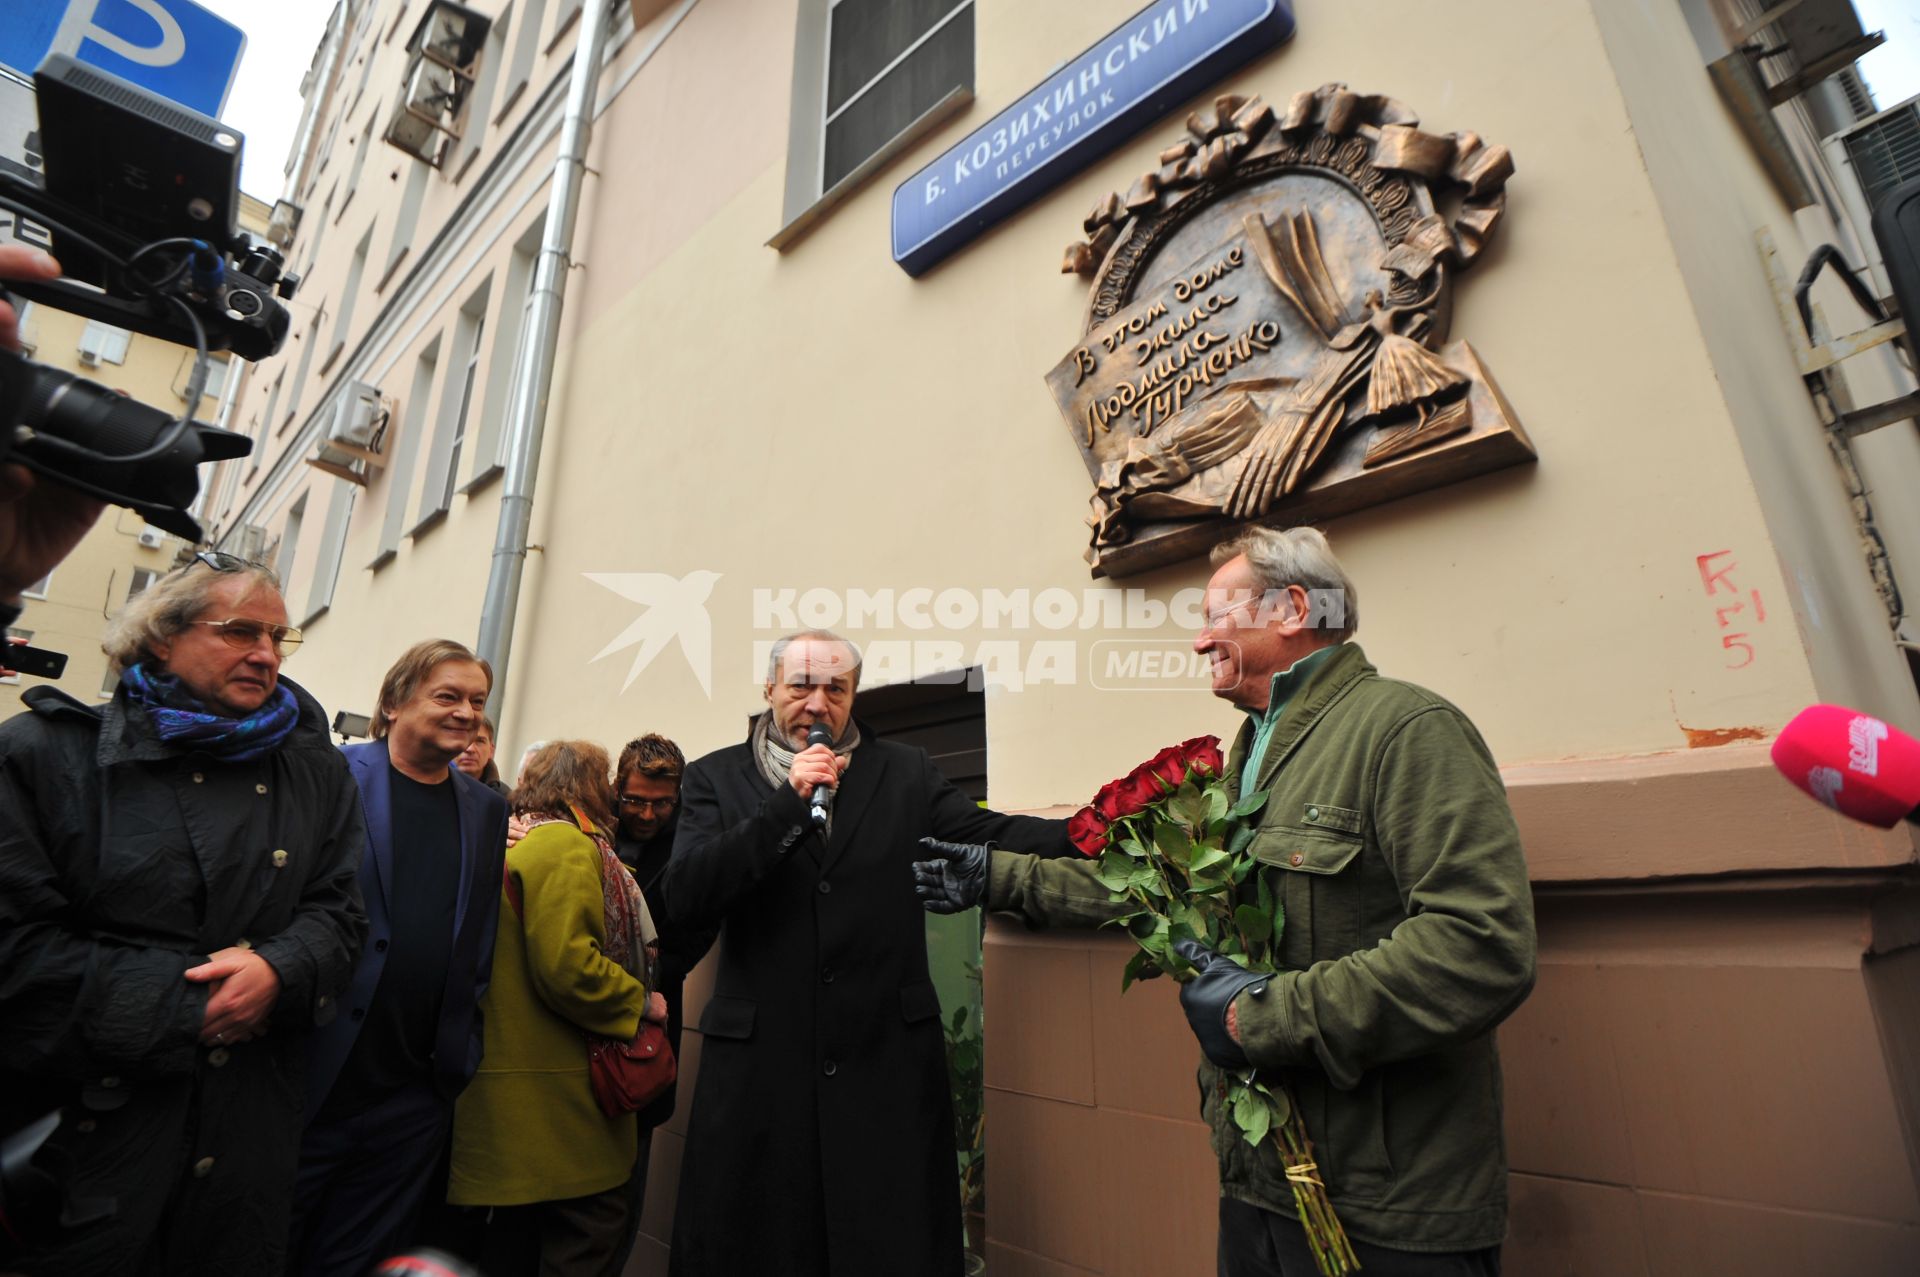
(1266, 339)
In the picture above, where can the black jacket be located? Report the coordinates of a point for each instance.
(681, 947)
(123, 863)
(822, 1101)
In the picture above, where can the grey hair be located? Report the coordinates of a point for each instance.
(165, 609)
(780, 646)
(1299, 556)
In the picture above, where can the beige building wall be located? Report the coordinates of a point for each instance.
(733, 427)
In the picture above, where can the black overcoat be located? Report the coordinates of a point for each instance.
(821, 1139)
(124, 861)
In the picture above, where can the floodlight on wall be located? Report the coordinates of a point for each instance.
(283, 223)
(442, 59)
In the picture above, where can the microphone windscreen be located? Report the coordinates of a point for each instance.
(1853, 762)
(819, 734)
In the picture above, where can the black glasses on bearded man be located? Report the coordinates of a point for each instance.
(243, 634)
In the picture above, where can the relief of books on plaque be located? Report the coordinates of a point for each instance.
(1267, 333)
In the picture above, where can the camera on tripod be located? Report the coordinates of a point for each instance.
(142, 196)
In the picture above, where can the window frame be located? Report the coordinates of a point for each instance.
(807, 198)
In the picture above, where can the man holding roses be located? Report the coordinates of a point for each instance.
(1405, 919)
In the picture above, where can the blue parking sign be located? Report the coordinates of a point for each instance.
(173, 47)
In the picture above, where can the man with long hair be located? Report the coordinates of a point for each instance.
(383, 1076)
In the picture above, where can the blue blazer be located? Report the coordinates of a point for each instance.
(483, 850)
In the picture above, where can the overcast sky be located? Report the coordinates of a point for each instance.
(265, 102)
(282, 35)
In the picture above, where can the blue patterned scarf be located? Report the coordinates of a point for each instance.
(180, 718)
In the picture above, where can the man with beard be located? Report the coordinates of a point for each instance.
(821, 1140)
(647, 793)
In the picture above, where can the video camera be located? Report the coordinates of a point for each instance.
(142, 196)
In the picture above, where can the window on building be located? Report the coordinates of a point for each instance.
(289, 555)
(319, 232)
(103, 343)
(504, 362)
(526, 43)
(108, 682)
(404, 451)
(359, 161)
(563, 19)
(348, 295)
(38, 590)
(333, 547)
(308, 342)
(266, 423)
(480, 98)
(140, 580)
(456, 410)
(408, 218)
(869, 78)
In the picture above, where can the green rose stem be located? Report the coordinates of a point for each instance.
(1204, 821)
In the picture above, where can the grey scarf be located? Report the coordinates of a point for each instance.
(775, 760)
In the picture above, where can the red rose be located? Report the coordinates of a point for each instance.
(1139, 790)
(1087, 830)
(1204, 752)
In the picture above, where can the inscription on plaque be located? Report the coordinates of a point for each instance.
(1265, 337)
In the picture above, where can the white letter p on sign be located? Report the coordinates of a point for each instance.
(78, 26)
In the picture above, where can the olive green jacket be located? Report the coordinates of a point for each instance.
(1408, 935)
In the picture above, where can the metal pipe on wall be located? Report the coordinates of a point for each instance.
(539, 338)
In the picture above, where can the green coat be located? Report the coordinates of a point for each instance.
(527, 1129)
(1408, 935)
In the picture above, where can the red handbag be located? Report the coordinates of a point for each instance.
(628, 1076)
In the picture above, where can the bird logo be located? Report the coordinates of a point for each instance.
(673, 608)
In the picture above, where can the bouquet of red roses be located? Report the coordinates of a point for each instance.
(1172, 842)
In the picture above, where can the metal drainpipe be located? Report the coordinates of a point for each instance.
(539, 337)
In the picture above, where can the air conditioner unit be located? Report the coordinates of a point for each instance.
(152, 538)
(356, 436)
(442, 59)
(1884, 150)
(252, 542)
(89, 356)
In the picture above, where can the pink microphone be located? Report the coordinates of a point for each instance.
(1852, 762)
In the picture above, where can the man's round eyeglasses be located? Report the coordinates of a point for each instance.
(648, 805)
(244, 634)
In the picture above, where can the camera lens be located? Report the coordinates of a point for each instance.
(81, 433)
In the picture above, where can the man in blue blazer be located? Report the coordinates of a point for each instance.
(382, 1076)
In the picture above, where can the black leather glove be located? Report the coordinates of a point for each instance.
(1206, 997)
(954, 878)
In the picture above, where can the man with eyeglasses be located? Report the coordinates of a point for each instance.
(647, 789)
(178, 911)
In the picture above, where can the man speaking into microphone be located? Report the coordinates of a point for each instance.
(821, 1138)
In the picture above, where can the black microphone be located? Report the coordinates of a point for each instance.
(820, 734)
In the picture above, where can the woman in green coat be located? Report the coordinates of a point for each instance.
(529, 1140)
